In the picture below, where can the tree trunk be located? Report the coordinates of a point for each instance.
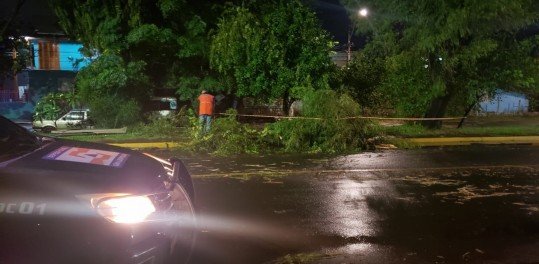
(286, 103)
(238, 103)
(437, 109)
(466, 114)
(468, 110)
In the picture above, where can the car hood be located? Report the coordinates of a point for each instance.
(45, 207)
(82, 167)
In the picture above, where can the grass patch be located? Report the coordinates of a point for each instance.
(417, 131)
(112, 138)
(160, 130)
(124, 138)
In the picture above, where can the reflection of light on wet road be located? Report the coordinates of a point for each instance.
(348, 214)
(356, 248)
(390, 207)
(239, 239)
(241, 227)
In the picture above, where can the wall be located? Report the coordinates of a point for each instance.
(40, 83)
(68, 54)
(505, 103)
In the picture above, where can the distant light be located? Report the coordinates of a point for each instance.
(364, 12)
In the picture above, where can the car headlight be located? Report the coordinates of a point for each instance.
(125, 209)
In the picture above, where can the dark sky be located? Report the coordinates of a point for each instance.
(34, 15)
(335, 20)
(333, 17)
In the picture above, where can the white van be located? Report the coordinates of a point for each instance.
(76, 118)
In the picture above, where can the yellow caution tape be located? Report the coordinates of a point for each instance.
(353, 117)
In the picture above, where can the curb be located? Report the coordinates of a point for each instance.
(461, 141)
(421, 142)
(146, 145)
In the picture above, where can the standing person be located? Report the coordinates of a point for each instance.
(205, 110)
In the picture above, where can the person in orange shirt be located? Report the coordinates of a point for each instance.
(205, 110)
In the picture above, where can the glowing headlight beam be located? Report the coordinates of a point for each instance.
(126, 209)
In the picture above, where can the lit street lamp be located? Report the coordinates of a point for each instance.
(364, 12)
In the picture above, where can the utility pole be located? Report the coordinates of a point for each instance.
(364, 12)
(349, 45)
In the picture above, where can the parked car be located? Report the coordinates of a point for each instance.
(26, 124)
(65, 201)
(76, 118)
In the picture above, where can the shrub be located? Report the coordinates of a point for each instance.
(227, 136)
(331, 133)
(110, 76)
(165, 127)
(113, 112)
(54, 105)
(114, 89)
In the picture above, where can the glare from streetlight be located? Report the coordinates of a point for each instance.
(364, 12)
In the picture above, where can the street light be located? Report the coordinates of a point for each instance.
(364, 12)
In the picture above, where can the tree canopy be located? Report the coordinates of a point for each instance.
(167, 38)
(446, 52)
(268, 50)
(14, 51)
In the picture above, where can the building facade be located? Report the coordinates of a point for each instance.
(52, 67)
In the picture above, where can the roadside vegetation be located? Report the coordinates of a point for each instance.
(277, 50)
(323, 131)
(414, 131)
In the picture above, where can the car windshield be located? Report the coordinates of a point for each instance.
(15, 140)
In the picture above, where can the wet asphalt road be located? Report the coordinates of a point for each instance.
(476, 204)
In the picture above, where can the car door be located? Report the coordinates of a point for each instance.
(61, 123)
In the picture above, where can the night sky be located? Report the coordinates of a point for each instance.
(34, 15)
(334, 19)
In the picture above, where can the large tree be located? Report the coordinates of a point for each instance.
(267, 49)
(439, 52)
(167, 38)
